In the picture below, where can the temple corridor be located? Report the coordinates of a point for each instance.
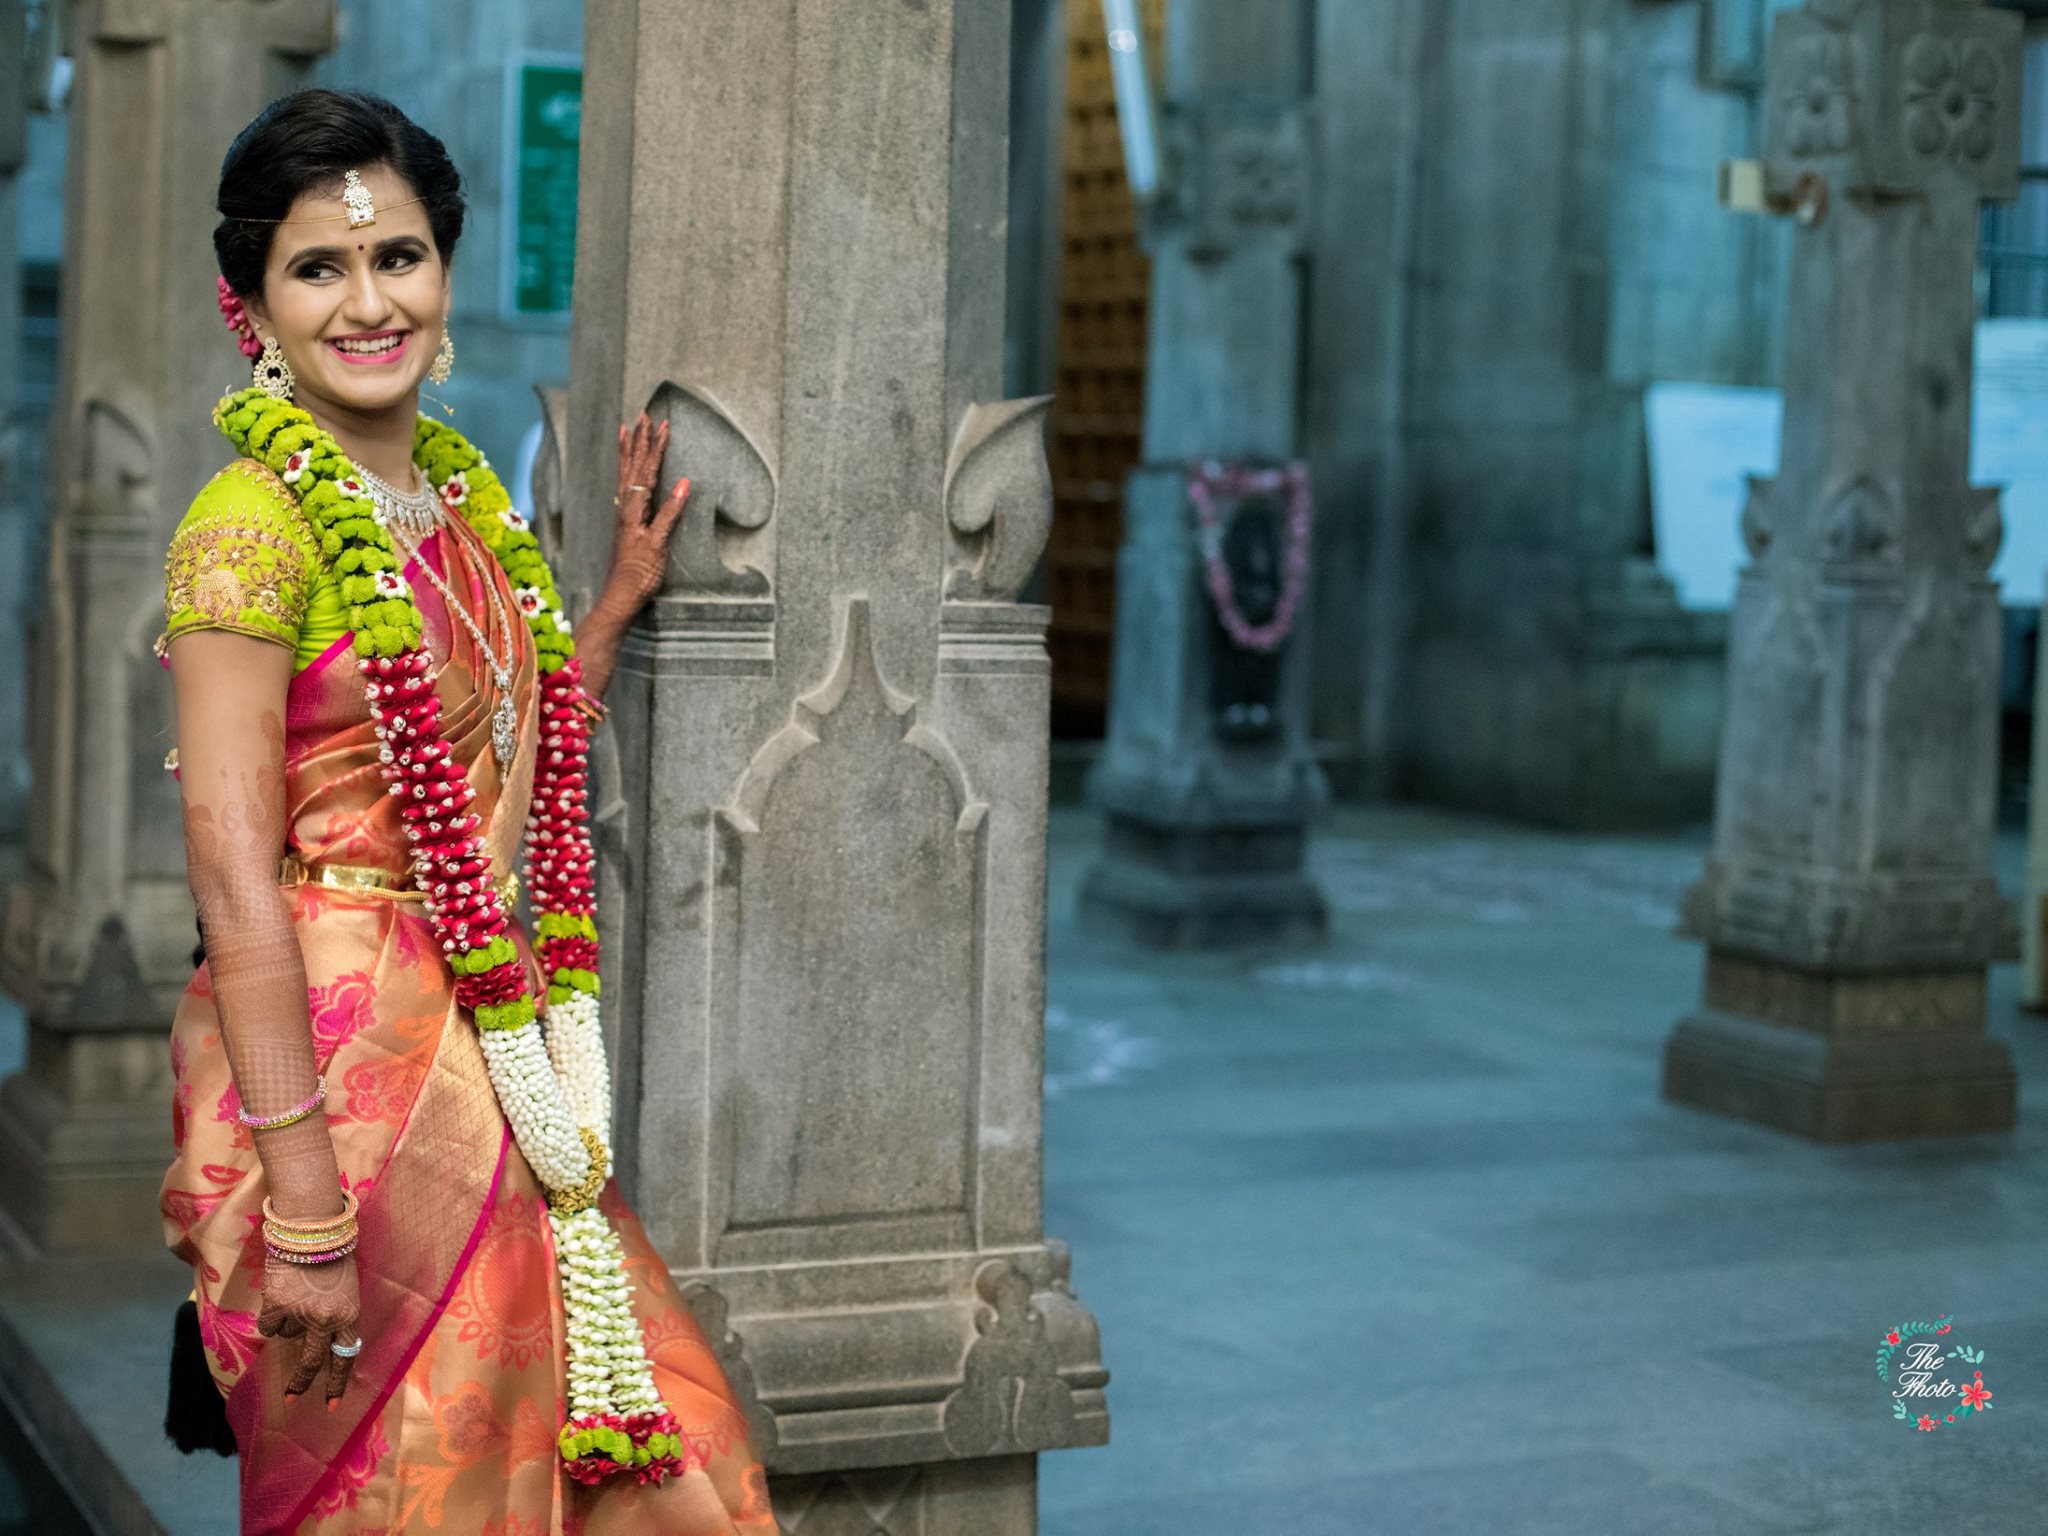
(1398, 1236)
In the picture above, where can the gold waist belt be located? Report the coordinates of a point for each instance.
(372, 881)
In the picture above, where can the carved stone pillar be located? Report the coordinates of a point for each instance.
(825, 960)
(15, 505)
(98, 940)
(1848, 905)
(1206, 777)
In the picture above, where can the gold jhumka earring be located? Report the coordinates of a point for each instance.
(273, 373)
(444, 360)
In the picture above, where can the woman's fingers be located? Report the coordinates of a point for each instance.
(276, 1323)
(313, 1355)
(672, 508)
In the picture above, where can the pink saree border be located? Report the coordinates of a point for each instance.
(433, 1320)
(402, 1301)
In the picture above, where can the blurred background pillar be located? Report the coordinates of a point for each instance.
(99, 936)
(1206, 777)
(826, 864)
(1848, 906)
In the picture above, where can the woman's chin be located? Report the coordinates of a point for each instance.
(369, 396)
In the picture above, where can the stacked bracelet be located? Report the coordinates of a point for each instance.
(291, 1116)
(328, 1256)
(313, 1240)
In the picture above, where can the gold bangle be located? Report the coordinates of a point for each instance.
(316, 1228)
(312, 1241)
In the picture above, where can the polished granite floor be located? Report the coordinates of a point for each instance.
(1396, 1236)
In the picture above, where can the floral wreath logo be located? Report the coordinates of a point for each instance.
(1921, 1375)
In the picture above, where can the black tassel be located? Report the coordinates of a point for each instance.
(196, 1417)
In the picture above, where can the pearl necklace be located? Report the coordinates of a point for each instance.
(418, 512)
(504, 716)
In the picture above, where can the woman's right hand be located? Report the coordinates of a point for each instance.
(316, 1306)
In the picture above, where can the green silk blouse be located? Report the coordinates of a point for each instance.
(245, 558)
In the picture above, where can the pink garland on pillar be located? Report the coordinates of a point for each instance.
(1211, 479)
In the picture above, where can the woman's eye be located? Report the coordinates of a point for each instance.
(313, 270)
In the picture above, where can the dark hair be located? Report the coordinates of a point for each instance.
(304, 142)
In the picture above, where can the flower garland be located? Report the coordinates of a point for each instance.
(553, 1084)
(1237, 481)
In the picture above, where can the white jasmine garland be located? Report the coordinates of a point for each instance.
(576, 1047)
(535, 1104)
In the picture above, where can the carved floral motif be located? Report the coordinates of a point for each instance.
(1951, 98)
(1814, 96)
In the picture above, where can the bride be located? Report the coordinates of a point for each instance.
(421, 1300)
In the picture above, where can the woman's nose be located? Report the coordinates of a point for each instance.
(365, 305)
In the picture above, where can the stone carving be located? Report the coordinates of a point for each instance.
(998, 499)
(1951, 97)
(119, 465)
(724, 547)
(1814, 97)
(1891, 96)
(111, 990)
(550, 505)
(852, 798)
(1983, 525)
(1012, 1398)
(883, 1501)
(1758, 516)
(1861, 523)
(1239, 173)
(707, 1305)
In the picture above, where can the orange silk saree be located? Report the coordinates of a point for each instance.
(450, 1419)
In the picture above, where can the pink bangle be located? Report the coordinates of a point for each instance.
(289, 1117)
(289, 1257)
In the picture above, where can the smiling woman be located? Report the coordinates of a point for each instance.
(392, 1114)
(356, 322)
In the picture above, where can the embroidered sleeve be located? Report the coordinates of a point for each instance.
(244, 558)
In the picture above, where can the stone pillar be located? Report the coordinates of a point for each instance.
(1848, 905)
(14, 504)
(1206, 824)
(98, 939)
(825, 961)
(2033, 913)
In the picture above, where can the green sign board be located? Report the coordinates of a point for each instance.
(545, 108)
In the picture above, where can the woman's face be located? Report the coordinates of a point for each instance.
(358, 312)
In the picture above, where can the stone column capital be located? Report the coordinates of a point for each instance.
(1898, 97)
(1240, 174)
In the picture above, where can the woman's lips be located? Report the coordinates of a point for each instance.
(359, 361)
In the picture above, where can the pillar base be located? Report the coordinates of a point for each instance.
(1838, 1088)
(85, 1138)
(1196, 887)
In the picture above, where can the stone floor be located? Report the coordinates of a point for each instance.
(1397, 1236)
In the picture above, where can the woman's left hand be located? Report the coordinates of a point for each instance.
(640, 540)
